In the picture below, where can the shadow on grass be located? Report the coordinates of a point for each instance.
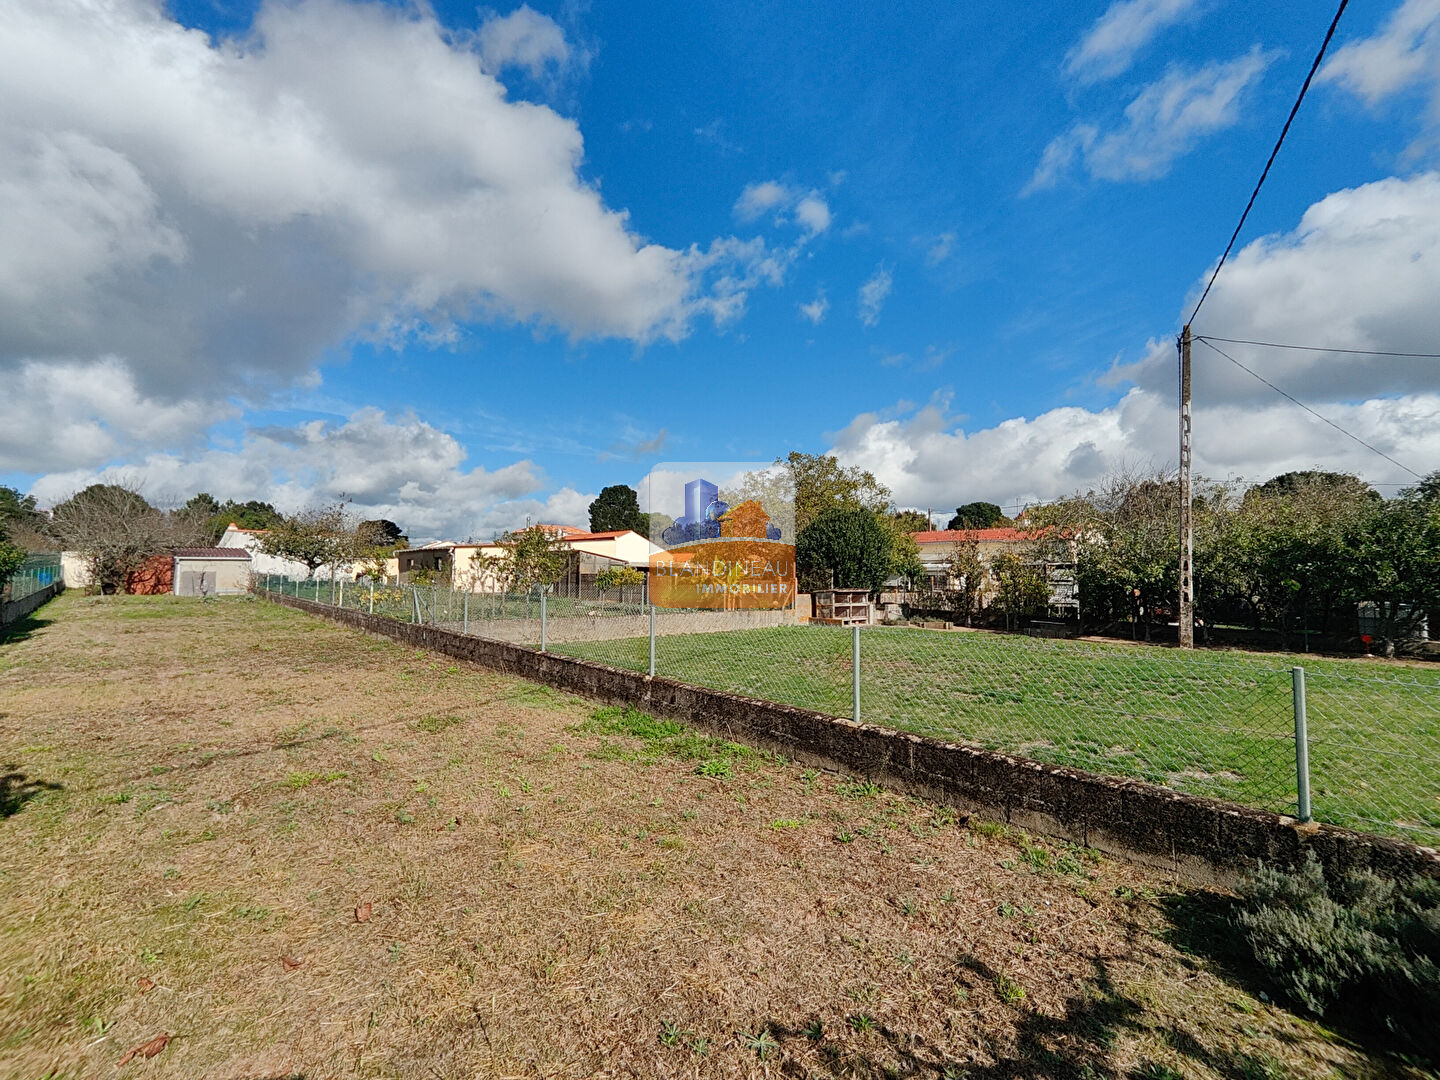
(23, 628)
(16, 789)
(1079, 1044)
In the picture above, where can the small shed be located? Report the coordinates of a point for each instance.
(211, 571)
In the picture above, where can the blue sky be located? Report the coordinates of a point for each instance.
(467, 266)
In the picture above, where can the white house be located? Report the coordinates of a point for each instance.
(261, 563)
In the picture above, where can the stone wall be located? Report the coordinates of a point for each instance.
(1195, 839)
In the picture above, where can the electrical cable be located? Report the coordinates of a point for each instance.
(1280, 141)
(1309, 410)
(1319, 348)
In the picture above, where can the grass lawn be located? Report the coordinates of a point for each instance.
(304, 852)
(1212, 723)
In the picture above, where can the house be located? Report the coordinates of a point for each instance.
(211, 571)
(937, 545)
(248, 540)
(473, 566)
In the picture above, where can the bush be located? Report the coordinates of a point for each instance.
(1363, 948)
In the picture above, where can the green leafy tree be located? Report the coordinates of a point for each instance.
(1392, 554)
(617, 507)
(904, 552)
(1020, 588)
(213, 516)
(1338, 485)
(381, 534)
(968, 576)
(316, 536)
(910, 521)
(21, 524)
(821, 483)
(848, 542)
(619, 577)
(977, 515)
(532, 557)
(12, 555)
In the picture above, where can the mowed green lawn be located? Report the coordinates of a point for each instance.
(1212, 723)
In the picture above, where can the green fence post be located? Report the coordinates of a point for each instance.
(652, 641)
(465, 617)
(542, 619)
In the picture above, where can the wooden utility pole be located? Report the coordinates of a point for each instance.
(1187, 525)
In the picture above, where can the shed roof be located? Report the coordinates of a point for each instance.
(212, 553)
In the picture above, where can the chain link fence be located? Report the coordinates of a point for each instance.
(36, 573)
(1219, 724)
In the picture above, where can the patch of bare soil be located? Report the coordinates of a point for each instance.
(241, 842)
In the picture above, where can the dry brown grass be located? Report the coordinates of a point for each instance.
(200, 789)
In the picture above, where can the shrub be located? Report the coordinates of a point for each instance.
(1362, 947)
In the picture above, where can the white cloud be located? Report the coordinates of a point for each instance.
(873, 295)
(1111, 44)
(62, 415)
(761, 197)
(221, 212)
(1358, 272)
(1162, 123)
(1404, 53)
(813, 213)
(525, 39)
(939, 249)
(403, 469)
(809, 208)
(815, 310)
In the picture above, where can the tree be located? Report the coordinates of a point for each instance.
(849, 542)
(1021, 589)
(213, 515)
(904, 552)
(616, 508)
(315, 537)
(380, 533)
(1343, 485)
(532, 557)
(821, 483)
(977, 515)
(963, 565)
(13, 508)
(618, 577)
(911, 521)
(115, 530)
(21, 523)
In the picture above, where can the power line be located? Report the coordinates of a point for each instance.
(1309, 410)
(1278, 142)
(1320, 348)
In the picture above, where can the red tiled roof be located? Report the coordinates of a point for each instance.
(598, 536)
(568, 530)
(211, 553)
(237, 528)
(949, 536)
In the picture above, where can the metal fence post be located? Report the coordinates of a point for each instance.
(342, 592)
(1302, 744)
(542, 620)
(855, 672)
(414, 603)
(372, 596)
(465, 615)
(652, 641)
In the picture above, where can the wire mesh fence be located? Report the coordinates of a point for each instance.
(37, 572)
(1220, 724)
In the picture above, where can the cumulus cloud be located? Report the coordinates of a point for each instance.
(1164, 121)
(1357, 272)
(815, 310)
(1404, 53)
(403, 469)
(219, 212)
(873, 295)
(808, 209)
(525, 39)
(1112, 43)
(67, 414)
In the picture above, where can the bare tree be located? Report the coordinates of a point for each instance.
(115, 529)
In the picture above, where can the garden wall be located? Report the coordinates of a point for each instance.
(1195, 839)
(18, 609)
